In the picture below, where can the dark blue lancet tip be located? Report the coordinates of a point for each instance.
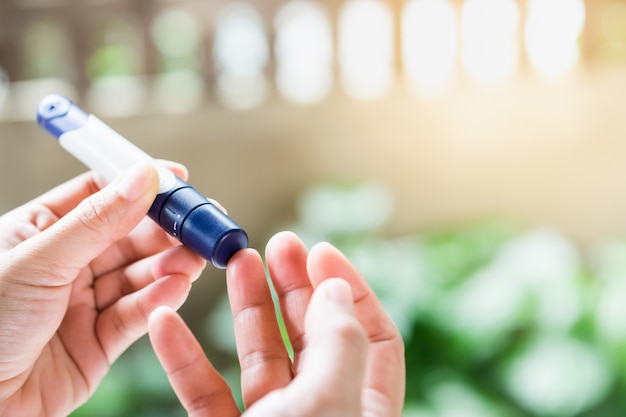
(57, 115)
(230, 244)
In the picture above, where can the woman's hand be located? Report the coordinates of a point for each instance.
(348, 355)
(81, 269)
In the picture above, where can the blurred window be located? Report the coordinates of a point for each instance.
(46, 50)
(32, 4)
(45, 64)
(429, 44)
(115, 49)
(241, 54)
(179, 85)
(114, 68)
(366, 48)
(304, 51)
(176, 35)
(489, 31)
(551, 35)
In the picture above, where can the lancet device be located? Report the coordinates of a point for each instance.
(178, 208)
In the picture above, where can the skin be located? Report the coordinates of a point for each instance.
(83, 274)
(81, 269)
(348, 355)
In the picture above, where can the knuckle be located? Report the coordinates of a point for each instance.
(256, 358)
(120, 326)
(92, 214)
(351, 332)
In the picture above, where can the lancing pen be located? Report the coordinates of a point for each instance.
(178, 208)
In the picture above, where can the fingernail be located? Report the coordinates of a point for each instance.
(338, 291)
(134, 183)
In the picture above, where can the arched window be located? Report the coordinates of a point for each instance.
(241, 54)
(429, 45)
(489, 32)
(179, 86)
(551, 35)
(366, 48)
(304, 52)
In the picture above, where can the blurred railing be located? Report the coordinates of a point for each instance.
(129, 57)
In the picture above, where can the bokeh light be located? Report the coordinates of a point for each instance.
(241, 53)
(558, 376)
(175, 33)
(366, 48)
(551, 35)
(429, 45)
(304, 52)
(114, 68)
(179, 86)
(489, 52)
(46, 51)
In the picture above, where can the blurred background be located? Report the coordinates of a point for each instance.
(468, 155)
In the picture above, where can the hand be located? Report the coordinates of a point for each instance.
(348, 356)
(78, 280)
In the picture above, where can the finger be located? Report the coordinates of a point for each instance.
(386, 370)
(286, 260)
(23, 223)
(199, 387)
(125, 321)
(126, 280)
(36, 216)
(85, 232)
(325, 261)
(65, 197)
(337, 340)
(179, 169)
(331, 377)
(264, 360)
(147, 239)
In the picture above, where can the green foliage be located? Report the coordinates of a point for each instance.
(112, 61)
(497, 320)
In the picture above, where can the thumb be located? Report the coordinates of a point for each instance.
(86, 231)
(333, 368)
